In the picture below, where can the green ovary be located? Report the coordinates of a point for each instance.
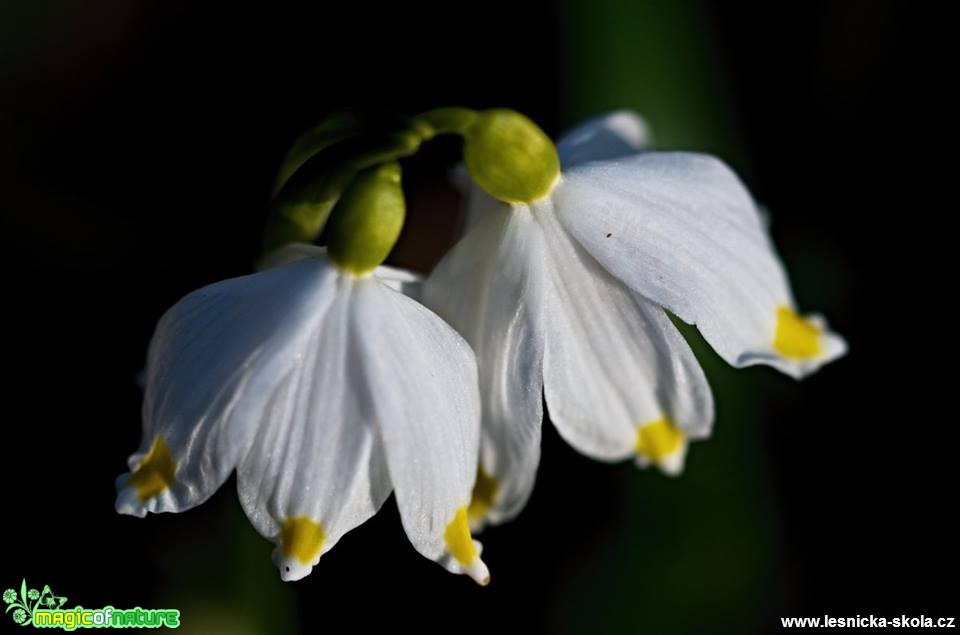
(510, 157)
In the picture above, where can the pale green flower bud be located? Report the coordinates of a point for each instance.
(510, 157)
(300, 209)
(367, 220)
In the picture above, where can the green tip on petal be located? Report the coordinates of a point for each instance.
(510, 157)
(367, 220)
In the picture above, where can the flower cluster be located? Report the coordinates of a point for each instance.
(326, 381)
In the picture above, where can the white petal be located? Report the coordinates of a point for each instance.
(478, 205)
(615, 364)
(611, 136)
(316, 469)
(421, 383)
(405, 281)
(490, 288)
(682, 230)
(215, 361)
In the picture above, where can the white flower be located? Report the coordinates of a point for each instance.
(564, 298)
(324, 391)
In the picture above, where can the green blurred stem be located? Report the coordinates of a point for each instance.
(450, 120)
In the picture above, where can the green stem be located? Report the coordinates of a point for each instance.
(334, 128)
(325, 161)
(450, 120)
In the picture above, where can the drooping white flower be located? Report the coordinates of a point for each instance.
(563, 297)
(324, 390)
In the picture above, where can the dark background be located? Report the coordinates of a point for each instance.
(138, 143)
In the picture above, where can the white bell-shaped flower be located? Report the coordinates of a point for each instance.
(564, 297)
(324, 389)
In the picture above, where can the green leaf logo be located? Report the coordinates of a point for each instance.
(29, 601)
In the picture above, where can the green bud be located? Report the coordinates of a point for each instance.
(367, 220)
(510, 157)
(299, 210)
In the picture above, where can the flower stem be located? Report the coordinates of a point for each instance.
(450, 120)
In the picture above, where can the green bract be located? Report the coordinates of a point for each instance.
(510, 157)
(367, 220)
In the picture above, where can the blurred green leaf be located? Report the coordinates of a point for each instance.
(698, 553)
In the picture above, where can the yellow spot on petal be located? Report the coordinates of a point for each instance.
(301, 538)
(796, 337)
(155, 473)
(484, 493)
(659, 439)
(458, 539)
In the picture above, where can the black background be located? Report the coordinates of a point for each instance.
(139, 140)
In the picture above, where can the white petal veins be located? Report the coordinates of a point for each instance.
(317, 463)
(614, 362)
(490, 288)
(215, 360)
(681, 230)
(423, 397)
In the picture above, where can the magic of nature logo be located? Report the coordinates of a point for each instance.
(44, 609)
